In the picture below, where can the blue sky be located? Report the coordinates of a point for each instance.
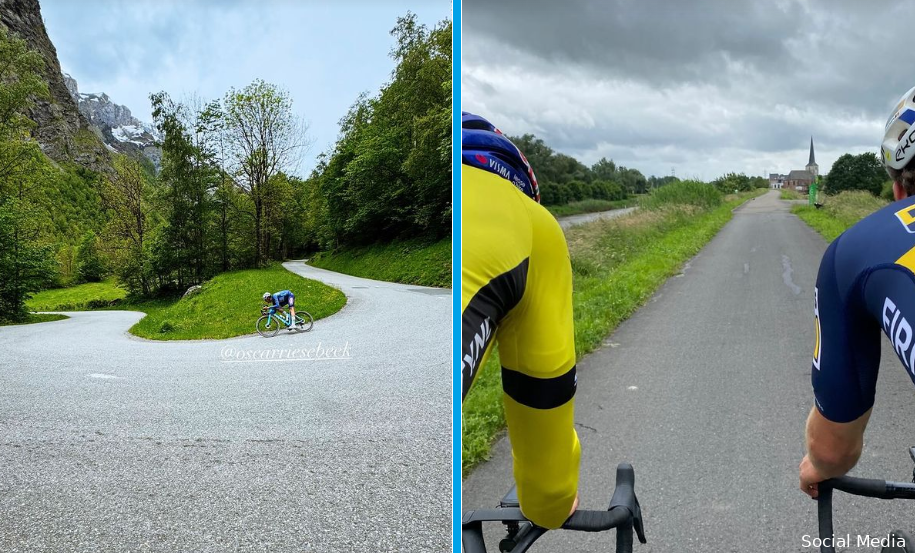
(323, 53)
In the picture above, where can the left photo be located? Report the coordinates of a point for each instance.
(225, 270)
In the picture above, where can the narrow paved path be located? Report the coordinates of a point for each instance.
(112, 443)
(582, 218)
(705, 390)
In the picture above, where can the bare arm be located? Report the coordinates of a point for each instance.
(833, 448)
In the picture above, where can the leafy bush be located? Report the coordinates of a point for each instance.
(688, 192)
(739, 182)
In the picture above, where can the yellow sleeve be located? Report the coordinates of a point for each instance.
(537, 350)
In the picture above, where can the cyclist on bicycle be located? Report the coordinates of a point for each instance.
(866, 284)
(283, 298)
(517, 291)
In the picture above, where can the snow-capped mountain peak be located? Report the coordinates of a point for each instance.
(120, 130)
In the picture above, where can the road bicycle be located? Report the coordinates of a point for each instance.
(897, 541)
(624, 514)
(272, 319)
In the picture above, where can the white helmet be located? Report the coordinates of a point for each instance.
(267, 296)
(898, 147)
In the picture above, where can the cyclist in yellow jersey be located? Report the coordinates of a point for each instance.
(517, 291)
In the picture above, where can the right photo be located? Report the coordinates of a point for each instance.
(687, 253)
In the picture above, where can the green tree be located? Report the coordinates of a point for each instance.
(632, 180)
(187, 179)
(126, 197)
(263, 136)
(26, 263)
(25, 266)
(387, 174)
(604, 170)
(89, 265)
(856, 172)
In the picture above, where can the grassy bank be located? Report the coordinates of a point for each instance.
(839, 212)
(406, 261)
(589, 206)
(227, 305)
(92, 295)
(617, 266)
(37, 318)
(787, 194)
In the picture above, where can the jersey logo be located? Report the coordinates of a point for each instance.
(471, 360)
(907, 219)
(899, 331)
(816, 320)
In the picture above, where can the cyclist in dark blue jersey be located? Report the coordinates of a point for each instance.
(865, 287)
(283, 298)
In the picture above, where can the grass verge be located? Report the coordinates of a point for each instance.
(37, 318)
(788, 194)
(405, 261)
(589, 206)
(227, 305)
(617, 266)
(839, 212)
(91, 295)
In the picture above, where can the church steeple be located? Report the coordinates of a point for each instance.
(812, 166)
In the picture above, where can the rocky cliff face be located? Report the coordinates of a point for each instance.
(120, 130)
(62, 131)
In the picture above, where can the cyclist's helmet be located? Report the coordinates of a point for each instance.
(898, 147)
(485, 147)
(267, 296)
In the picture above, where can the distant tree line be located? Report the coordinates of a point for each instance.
(564, 179)
(226, 196)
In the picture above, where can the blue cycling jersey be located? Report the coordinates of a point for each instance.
(865, 285)
(281, 299)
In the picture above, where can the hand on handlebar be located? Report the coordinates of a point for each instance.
(574, 505)
(810, 478)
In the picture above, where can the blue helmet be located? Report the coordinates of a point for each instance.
(485, 147)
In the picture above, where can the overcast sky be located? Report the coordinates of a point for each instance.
(323, 53)
(704, 87)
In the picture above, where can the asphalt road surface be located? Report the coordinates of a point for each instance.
(582, 218)
(705, 390)
(112, 443)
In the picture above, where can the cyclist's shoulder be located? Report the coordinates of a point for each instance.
(495, 219)
(880, 239)
(490, 202)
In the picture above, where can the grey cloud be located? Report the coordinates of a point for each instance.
(755, 77)
(842, 53)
